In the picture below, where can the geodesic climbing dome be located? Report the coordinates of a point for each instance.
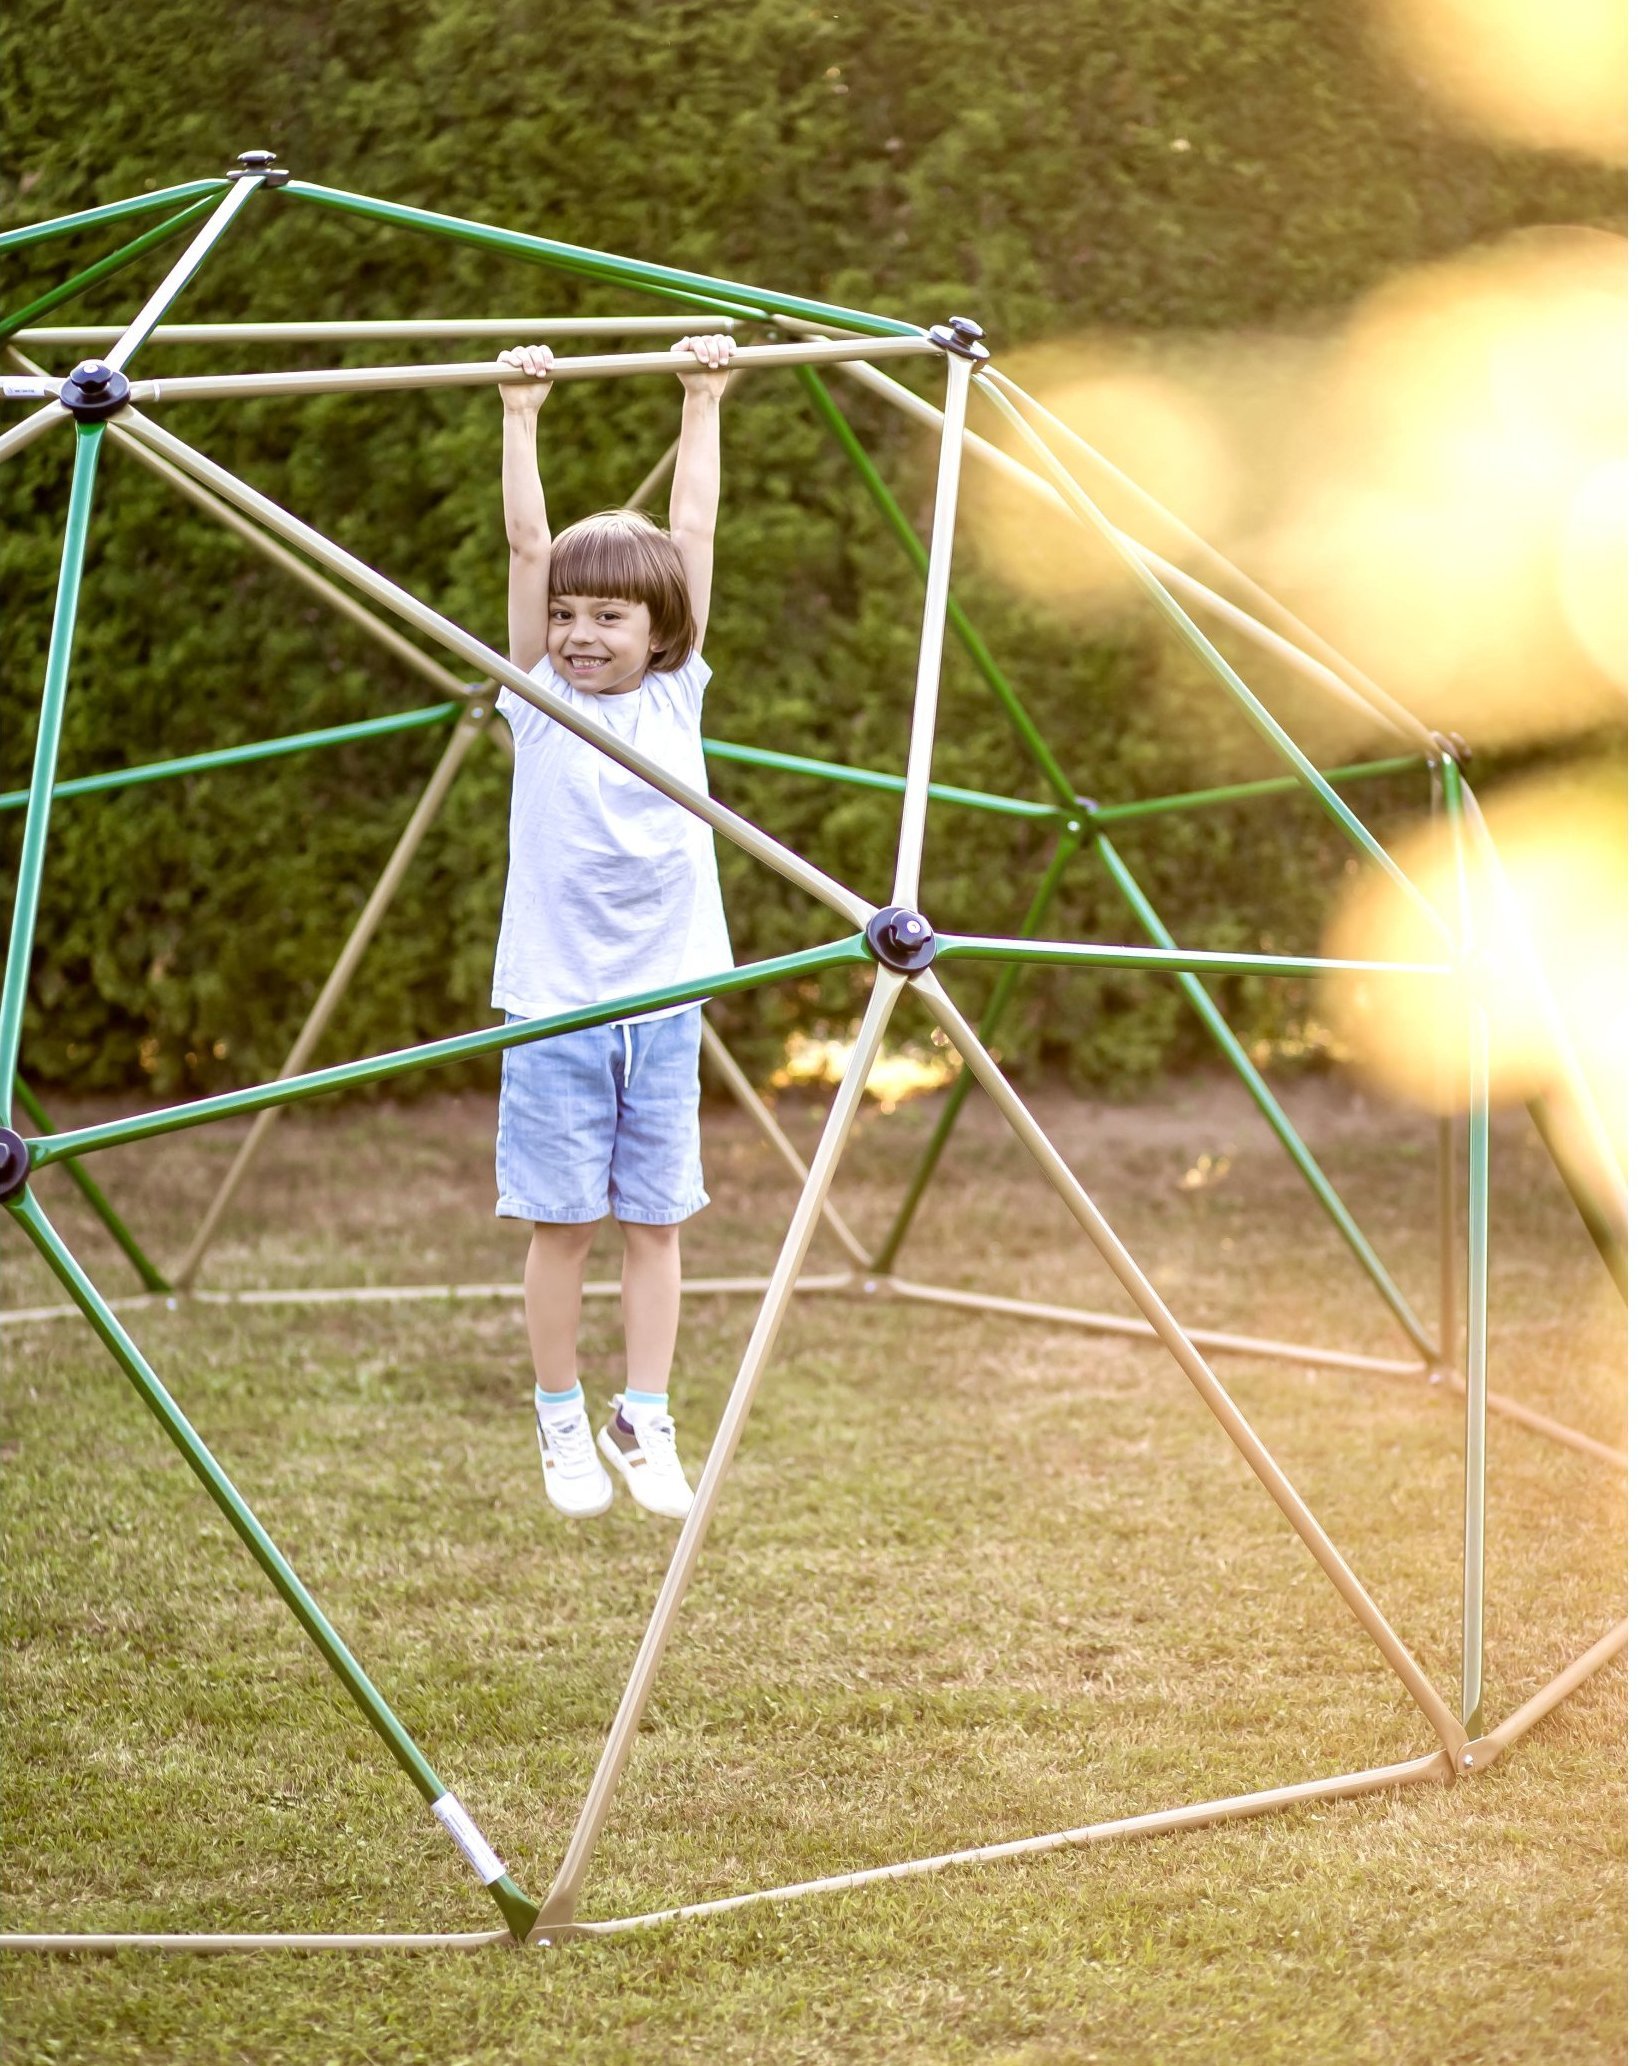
(896, 942)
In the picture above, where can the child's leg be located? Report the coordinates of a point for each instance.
(553, 1272)
(651, 1300)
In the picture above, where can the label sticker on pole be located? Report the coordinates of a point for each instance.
(470, 1839)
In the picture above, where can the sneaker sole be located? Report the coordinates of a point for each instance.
(614, 1456)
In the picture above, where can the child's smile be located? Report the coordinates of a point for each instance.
(601, 644)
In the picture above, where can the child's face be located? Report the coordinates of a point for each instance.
(601, 643)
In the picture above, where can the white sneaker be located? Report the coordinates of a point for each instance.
(645, 1455)
(576, 1483)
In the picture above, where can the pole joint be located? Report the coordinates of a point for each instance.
(901, 939)
(94, 391)
(14, 1163)
(962, 337)
(260, 165)
(1452, 746)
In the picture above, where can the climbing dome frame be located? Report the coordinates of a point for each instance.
(102, 400)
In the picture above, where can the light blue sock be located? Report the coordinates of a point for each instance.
(642, 1402)
(552, 1404)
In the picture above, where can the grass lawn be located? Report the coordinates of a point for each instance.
(971, 1579)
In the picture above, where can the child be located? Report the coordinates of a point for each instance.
(611, 890)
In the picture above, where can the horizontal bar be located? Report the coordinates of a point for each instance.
(433, 1054)
(578, 258)
(967, 947)
(232, 756)
(410, 1294)
(111, 211)
(1100, 814)
(1235, 1808)
(116, 261)
(409, 330)
(103, 1942)
(207, 387)
(870, 778)
(1140, 1330)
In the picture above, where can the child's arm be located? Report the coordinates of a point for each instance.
(698, 474)
(528, 533)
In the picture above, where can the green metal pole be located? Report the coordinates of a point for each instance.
(1083, 954)
(1196, 640)
(460, 1047)
(1478, 1282)
(111, 211)
(514, 1904)
(115, 262)
(1069, 841)
(604, 265)
(1266, 1102)
(96, 1198)
(237, 756)
(872, 778)
(31, 862)
(960, 622)
(1105, 814)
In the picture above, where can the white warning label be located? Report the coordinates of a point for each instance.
(470, 1838)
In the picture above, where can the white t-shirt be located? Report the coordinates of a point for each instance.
(611, 888)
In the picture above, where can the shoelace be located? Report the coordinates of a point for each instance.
(570, 1441)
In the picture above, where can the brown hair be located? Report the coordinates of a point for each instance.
(621, 553)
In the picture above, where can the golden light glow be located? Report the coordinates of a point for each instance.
(894, 1077)
(1561, 840)
(1520, 70)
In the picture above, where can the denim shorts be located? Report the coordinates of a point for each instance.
(603, 1120)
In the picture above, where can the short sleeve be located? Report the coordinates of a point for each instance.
(522, 716)
(686, 687)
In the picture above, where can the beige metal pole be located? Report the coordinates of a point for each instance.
(464, 736)
(834, 895)
(21, 435)
(1183, 585)
(743, 1092)
(414, 330)
(135, 332)
(559, 1905)
(1557, 1690)
(918, 771)
(1193, 1365)
(339, 380)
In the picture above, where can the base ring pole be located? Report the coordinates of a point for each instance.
(560, 1902)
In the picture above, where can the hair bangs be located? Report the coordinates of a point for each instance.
(621, 553)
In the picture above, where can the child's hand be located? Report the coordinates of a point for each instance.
(714, 353)
(523, 398)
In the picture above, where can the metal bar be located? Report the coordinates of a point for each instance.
(872, 778)
(514, 1904)
(994, 1010)
(31, 860)
(1478, 1274)
(977, 947)
(97, 1942)
(96, 1198)
(412, 330)
(1244, 792)
(1201, 1815)
(116, 261)
(601, 264)
(23, 434)
(236, 756)
(131, 338)
(740, 830)
(962, 624)
(1606, 1236)
(743, 1092)
(1502, 1407)
(110, 211)
(1447, 1182)
(1261, 719)
(433, 1054)
(1271, 1109)
(1181, 584)
(918, 770)
(1140, 1330)
(352, 953)
(1553, 1694)
(560, 1902)
(338, 380)
(1386, 707)
(1194, 1366)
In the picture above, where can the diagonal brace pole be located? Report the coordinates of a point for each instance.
(96, 1198)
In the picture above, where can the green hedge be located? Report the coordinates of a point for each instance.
(1014, 162)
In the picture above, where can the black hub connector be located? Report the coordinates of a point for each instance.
(902, 939)
(13, 1163)
(962, 336)
(261, 165)
(94, 391)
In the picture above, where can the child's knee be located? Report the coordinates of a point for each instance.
(570, 1238)
(651, 1240)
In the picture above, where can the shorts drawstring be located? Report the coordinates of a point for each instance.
(625, 1030)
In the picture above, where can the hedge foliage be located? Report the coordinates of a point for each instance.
(1014, 161)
